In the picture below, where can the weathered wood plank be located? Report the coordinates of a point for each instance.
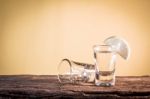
(47, 86)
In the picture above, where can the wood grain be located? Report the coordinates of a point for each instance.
(48, 87)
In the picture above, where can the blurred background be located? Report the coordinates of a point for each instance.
(36, 34)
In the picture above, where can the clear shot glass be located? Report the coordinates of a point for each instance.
(105, 58)
(73, 72)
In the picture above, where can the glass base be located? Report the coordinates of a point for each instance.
(105, 78)
(104, 84)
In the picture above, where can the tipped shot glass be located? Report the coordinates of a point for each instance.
(70, 71)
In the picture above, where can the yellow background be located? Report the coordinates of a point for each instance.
(36, 34)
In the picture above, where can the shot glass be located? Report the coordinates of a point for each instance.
(73, 72)
(105, 58)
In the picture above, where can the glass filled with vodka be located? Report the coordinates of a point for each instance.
(104, 57)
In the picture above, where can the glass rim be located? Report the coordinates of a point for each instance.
(101, 45)
(59, 65)
(97, 48)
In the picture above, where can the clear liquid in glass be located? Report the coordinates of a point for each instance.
(105, 68)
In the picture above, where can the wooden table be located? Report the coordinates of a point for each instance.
(48, 87)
